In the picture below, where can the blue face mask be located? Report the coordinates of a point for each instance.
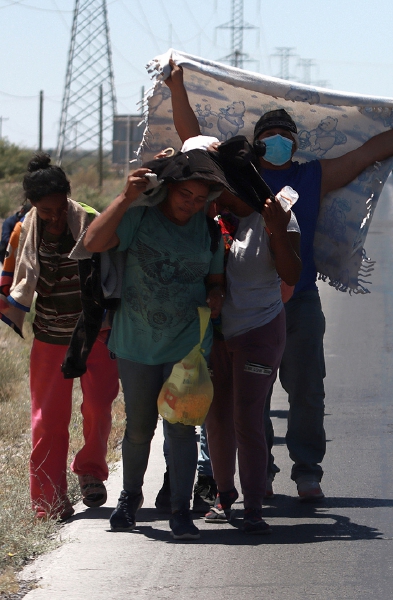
(278, 150)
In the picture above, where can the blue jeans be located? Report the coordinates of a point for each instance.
(302, 372)
(141, 386)
(204, 466)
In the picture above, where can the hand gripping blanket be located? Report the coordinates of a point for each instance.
(228, 101)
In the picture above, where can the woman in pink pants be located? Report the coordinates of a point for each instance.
(44, 267)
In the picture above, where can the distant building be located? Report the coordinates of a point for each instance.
(126, 139)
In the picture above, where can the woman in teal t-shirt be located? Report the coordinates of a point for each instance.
(170, 270)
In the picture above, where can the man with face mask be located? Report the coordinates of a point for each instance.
(302, 369)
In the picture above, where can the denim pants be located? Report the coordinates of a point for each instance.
(141, 386)
(204, 466)
(302, 372)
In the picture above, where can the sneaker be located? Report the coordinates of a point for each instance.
(205, 493)
(269, 487)
(93, 490)
(183, 527)
(163, 499)
(309, 490)
(123, 517)
(222, 512)
(253, 522)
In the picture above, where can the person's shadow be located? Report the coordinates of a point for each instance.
(294, 523)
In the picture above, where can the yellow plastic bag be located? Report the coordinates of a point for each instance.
(187, 394)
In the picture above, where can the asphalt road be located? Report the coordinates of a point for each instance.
(340, 548)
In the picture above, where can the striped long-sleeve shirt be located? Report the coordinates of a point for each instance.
(58, 303)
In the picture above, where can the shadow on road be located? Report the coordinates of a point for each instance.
(293, 522)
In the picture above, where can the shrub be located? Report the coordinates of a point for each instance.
(13, 160)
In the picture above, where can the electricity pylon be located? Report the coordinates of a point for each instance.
(237, 26)
(89, 101)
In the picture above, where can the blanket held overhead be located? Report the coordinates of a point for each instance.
(228, 101)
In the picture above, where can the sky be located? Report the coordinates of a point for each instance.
(348, 43)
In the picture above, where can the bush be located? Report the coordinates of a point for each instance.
(13, 160)
(11, 198)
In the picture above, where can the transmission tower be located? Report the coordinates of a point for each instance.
(236, 58)
(306, 64)
(284, 55)
(89, 101)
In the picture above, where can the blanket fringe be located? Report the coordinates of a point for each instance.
(365, 271)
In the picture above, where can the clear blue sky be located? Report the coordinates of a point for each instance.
(350, 43)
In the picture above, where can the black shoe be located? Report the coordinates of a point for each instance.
(163, 499)
(123, 517)
(205, 493)
(183, 527)
(253, 522)
(222, 511)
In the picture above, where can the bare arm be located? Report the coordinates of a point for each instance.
(284, 245)
(184, 118)
(337, 172)
(101, 234)
(215, 293)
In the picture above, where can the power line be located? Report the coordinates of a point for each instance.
(37, 8)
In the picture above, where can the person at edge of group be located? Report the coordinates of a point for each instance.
(8, 227)
(264, 250)
(170, 270)
(46, 238)
(302, 369)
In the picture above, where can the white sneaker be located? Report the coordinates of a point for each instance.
(309, 490)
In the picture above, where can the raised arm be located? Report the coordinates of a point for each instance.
(184, 118)
(337, 172)
(101, 234)
(284, 244)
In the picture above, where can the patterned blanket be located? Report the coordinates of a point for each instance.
(228, 101)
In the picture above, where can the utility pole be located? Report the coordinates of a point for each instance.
(40, 121)
(128, 135)
(142, 97)
(89, 67)
(100, 142)
(1, 126)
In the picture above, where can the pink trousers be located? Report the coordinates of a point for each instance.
(51, 407)
(244, 368)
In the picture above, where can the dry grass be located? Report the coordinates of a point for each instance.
(22, 538)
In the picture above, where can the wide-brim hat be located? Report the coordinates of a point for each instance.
(183, 166)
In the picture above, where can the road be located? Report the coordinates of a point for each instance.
(338, 549)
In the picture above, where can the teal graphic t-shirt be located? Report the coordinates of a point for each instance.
(166, 265)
